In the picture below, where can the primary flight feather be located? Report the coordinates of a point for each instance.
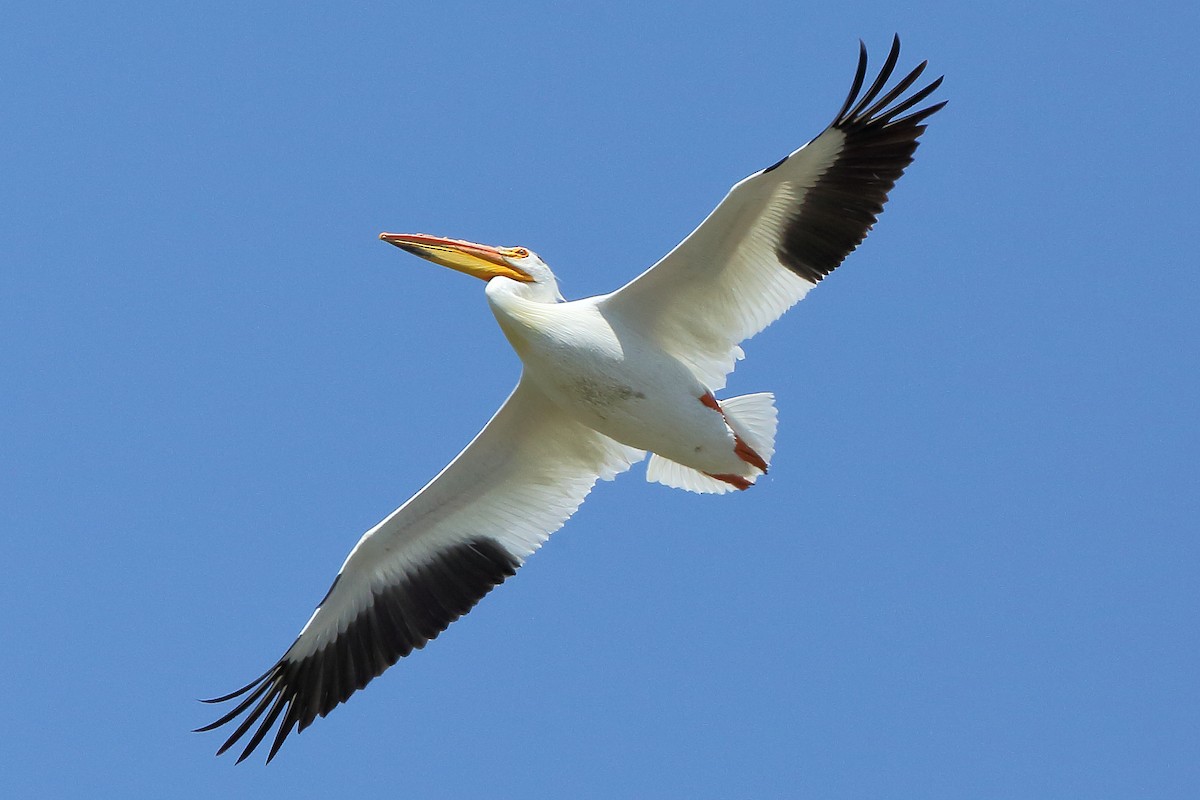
(606, 380)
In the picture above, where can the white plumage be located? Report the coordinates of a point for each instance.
(606, 380)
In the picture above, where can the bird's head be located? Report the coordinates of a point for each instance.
(483, 261)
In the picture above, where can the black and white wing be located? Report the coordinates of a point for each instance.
(780, 231)
(431, 561)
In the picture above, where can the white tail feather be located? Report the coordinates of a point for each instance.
(753, 418)
(677, 476)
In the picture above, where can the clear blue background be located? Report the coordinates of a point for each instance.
(971, 572)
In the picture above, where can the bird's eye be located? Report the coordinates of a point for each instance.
(521, 252)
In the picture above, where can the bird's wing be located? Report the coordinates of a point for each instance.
(432, 560)
(779, 231)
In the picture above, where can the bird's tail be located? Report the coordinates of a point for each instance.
(753, 419)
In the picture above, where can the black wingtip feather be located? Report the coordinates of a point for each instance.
(251, 717)
(859, 76)
(881, 79)
(919, 116)
(401, 617)
(267, 722)
(262, 687)
(897, 90)
(843, 204)
(239, 692)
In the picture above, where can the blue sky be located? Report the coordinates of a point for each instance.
(971, 572)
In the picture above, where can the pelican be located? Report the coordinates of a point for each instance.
(605, 381)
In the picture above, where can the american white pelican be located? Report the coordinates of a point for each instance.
(606, 380)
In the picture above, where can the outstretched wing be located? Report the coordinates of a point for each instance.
(780, 231)
(431, 561)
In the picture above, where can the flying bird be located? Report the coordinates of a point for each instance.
(606, 380)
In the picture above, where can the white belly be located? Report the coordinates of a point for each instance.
(621, 385)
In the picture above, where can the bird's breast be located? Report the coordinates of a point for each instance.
(609, 377)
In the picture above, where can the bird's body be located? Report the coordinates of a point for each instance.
(605, 381)
(610, 377)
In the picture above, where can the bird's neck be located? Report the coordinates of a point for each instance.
(500, 289)
(524, 310)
